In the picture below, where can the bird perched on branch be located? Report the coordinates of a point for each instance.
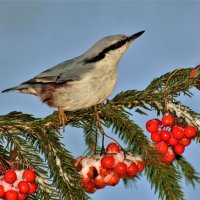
(83, 81)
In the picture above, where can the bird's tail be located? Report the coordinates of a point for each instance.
(25, 88)
(10, 89)
(19, 88)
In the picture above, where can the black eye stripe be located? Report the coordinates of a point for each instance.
(101, 55)
(115, 46)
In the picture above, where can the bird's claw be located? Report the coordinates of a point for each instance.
(62, 117)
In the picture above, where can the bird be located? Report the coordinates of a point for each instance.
(81, 82)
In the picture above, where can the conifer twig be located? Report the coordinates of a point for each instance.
(166, 89)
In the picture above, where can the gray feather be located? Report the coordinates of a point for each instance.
(71, 70)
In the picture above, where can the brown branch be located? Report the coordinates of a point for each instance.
(166, 89)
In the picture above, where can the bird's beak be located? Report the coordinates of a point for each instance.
(136, 35)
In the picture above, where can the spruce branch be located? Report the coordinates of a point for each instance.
(60, 162)
(43, 138)
(188, 171)
(164, 179)
(4, 156)
(47, 141)
(91, 135)
(187, 114)
(179, 82)
(130, 183)
(28, 155)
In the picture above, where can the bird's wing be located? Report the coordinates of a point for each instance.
(70, 70)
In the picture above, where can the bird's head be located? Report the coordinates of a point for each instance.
(114, 46)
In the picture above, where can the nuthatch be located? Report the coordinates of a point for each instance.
(83, 81)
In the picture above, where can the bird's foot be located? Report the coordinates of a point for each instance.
(62, 117)
(108, 101)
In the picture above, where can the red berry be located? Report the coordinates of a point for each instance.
(10, 176)
(2, 192)
(120, 169)
(140, 166)
(172, 141)
(92, 172)
(85, 180)
(99, 182)
(113, 148)
(177, 132)
(167, 120)
(132, 169)
(185, 141)
(89, 187)
(179, 149)
(112, 179)
(162, 147)
(22, 196)
(152, 125)
(23, 187)
(107, 162)
(194, 73)
(29, 175)
(165, 135)
(159, 122)
(169, 156)
(155, 137)
(103, 171)
(190, 132)
(32, 187)
(11, 195)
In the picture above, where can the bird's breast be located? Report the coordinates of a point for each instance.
(93, 88)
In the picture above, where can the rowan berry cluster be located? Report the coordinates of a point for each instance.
(98, 171)
(170, 138)
(17, 184)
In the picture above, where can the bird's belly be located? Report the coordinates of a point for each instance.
(87, 92)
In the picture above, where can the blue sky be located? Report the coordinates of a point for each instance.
(36, 35)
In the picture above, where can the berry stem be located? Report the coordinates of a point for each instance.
(19, 163)
(5, 161)
(102, 146)
(92, 144)
(99, 126)
(96, 140)
(166, 90)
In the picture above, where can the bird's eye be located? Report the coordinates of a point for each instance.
(119, 44)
